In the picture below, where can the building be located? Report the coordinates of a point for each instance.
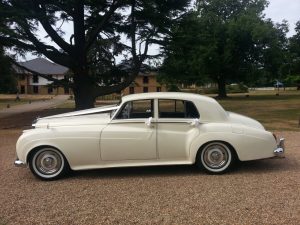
(29, 83)
(144, 82)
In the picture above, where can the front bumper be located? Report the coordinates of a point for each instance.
(279, 151)
(19, 163)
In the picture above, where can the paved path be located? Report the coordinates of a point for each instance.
(34, 106)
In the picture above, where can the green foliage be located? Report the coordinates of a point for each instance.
(294, 51)
(237, 88)
(292, 80)
(232, 88)
(8, 83)
(225, 41)
(103, 31)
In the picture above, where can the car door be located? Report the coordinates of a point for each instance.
(130, 135)
(176, 129)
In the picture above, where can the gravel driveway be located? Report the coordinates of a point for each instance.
(258, 192)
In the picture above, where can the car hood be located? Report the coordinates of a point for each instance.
(95, 116)
(240, 119)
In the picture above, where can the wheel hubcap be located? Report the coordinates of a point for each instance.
(48, 162)
(215, 156)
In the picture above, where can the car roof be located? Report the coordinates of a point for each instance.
(209, 108)
(168, 95)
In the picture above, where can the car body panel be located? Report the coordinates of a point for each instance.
(128, 140)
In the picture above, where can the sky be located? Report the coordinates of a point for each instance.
(277, 10)
(284, 9)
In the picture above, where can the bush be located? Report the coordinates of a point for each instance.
(233, 88)
(237, 88)
(173, 88)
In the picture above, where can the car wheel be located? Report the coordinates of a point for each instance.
(215, 157)
(48, 163)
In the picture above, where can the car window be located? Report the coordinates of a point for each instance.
(136, 109)
(169, 108)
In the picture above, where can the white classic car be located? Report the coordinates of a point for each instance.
(145, 130)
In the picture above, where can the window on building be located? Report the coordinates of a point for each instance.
(50, 90)
(145, 89)
(35, 89)
(22, 89)
(145, 80)
(136, 109)
(158, 89)
(22, 77)
(131, 90)
(169, 108)
(35, 79)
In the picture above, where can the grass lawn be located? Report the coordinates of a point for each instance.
(24, 99)
(274, 112)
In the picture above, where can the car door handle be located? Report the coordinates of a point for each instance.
(195, 122)
(148, 122)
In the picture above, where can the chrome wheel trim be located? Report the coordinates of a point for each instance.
(48, 163)
(216, 157)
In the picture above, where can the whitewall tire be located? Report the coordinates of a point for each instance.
(48, 163)
(215, 157)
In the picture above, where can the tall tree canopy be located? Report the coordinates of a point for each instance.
(294, 49)
(222, 41)
(8, 82)
(102, 30)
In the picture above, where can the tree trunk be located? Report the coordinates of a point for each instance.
(221, 87)
(83, 92)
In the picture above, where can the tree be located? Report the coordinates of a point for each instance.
(294, 50)
(99, 30)
(223, 41)
(8, 83)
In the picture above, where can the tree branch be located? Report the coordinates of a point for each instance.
(49, 29)
(105, 90)
(53, 54)
(10, 42)
(92, 35)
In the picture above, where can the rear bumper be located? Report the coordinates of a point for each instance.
(19, 163)
(280, 150)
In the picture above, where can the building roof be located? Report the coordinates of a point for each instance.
(42, 66)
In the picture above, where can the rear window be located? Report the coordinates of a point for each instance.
(171, 108)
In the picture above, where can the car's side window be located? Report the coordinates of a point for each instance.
(136, 109)
(170, 108)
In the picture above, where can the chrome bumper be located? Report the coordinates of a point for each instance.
(279, 151)
(19, 163)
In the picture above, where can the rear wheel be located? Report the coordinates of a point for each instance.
(215, 157)
(48, 163)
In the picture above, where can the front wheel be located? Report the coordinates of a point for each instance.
(215, 157)
(48, 163)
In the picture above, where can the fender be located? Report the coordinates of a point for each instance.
(249, 143)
